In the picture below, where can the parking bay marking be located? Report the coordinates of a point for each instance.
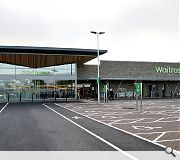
(4, 107)
(159, 132)
(161, 135)
(144, 127)
(171, 140)
(130, 133)
(93, 134)
(76, 117)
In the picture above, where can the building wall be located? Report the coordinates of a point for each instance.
(86, 72)
(121, 75)
(131, 71)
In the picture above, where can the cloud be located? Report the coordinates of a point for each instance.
(133, 27)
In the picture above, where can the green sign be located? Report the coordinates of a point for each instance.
(167, 70)
(32, 72)
(104, 88)
(138, 88)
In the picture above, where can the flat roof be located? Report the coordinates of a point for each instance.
(36, 57)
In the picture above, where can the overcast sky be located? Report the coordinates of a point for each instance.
(135, 30)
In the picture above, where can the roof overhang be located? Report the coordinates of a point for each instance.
(36, 57)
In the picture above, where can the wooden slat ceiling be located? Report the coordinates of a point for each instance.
(36, 57)
(37, 61)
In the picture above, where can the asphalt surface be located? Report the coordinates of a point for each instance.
(33, 127)
(1, 105)
(120, 139)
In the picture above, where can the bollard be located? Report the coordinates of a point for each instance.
(32, 97)
(44, 96)
(8, 97)
(20, 97)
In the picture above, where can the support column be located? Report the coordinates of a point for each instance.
(76, 81)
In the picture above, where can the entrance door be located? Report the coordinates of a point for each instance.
(150, 91)
(153, 91)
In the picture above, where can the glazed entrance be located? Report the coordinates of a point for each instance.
(18, 83)
(34, 90)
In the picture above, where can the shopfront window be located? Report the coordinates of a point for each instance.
(68, 70)
(24, 83)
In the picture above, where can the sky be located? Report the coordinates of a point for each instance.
(135, 30)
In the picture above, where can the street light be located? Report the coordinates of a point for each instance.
(98, 79)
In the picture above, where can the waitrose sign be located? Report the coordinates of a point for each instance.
(32, 72)
(167, 70)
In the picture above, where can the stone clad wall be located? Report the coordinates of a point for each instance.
(131, 71)
(139, 70)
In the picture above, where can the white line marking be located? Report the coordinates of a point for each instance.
(158, 132)
(158, 119)
(111, 117)
(115, 121)
(144, 112)
(4, 107)
(156, 139)
(76, 117)
(115, 127)
(162, 106)
(137, 120)
(98, 137)
(168, 140)
(144, 127)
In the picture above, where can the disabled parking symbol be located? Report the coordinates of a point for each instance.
(144, 127)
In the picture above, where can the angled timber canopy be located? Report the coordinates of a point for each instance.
(36, 57)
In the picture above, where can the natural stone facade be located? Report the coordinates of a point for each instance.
(126, 70)
(123, 74)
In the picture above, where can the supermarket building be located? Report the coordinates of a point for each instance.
(44, 73)
(156, 78)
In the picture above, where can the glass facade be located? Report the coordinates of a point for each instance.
(19, 83)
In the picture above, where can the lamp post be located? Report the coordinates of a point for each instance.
(98, 78)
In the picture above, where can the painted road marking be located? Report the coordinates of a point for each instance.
(98, 137)
(76, 117)
(168, 140)
(158, 119)
(4, 107)
(147, 140)
(137, 120)
(120, 120)
(140, 120)
(158, 132)
(111, 117)
(162, 106)
(156, 139)
(144, 112)
(144, 127)
(115, 121)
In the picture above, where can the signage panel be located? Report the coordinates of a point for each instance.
(138, 88)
